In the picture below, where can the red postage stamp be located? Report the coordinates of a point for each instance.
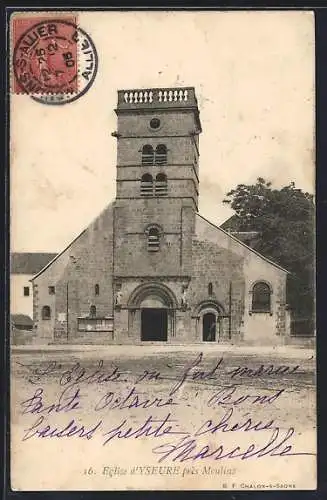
(45, 54)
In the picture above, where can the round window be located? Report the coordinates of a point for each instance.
(155, 123)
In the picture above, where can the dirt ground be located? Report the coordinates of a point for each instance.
(124, 387)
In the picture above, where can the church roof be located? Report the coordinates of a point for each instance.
(29, 262)
(200, 217)
(21, 320)
(243, 244)
(233, 223)
(71, 243)
(236, 225)
(58, 255)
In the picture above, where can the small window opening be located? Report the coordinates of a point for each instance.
(153, 240)
(93, 311)
(46, 312)
(155, 123)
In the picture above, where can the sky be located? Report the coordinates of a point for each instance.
(253, 74)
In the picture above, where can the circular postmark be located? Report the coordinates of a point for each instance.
(55, 62)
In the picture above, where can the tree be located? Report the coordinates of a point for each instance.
(284, 219)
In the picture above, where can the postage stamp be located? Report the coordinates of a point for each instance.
(54, 60)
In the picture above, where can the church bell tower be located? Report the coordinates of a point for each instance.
(157, 182)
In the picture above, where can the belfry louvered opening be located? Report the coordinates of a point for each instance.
(161, 155)
(146, 185)
(161, 185)
(147, 155)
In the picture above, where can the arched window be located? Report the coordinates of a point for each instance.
(146, 185)
(93, 311)
(46, 312)
(96, 289)
(161, 185)
(161, 155)
(153, 239)
(147, 155)
(261, 297)
(210, 289)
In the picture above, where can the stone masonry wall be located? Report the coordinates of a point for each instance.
(256, 328)
(86, 262)
(223, 269)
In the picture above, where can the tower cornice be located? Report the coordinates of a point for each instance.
(159, 99)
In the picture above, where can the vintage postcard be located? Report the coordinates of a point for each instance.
(162, 317)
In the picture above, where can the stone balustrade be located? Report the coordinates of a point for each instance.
(157, 97)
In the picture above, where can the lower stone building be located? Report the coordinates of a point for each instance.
(23, 266)
(150, 268)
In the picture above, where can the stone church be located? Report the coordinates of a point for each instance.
(150, 268)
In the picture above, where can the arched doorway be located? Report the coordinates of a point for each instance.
(152, 313)
(154, 324)
(209, 324)
(154, 318)
(209, 327)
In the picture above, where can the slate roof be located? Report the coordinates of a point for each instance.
(230, 223)
(29, 263)
(236, 224)
(21, 320)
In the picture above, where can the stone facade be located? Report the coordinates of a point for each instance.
(150, 268)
